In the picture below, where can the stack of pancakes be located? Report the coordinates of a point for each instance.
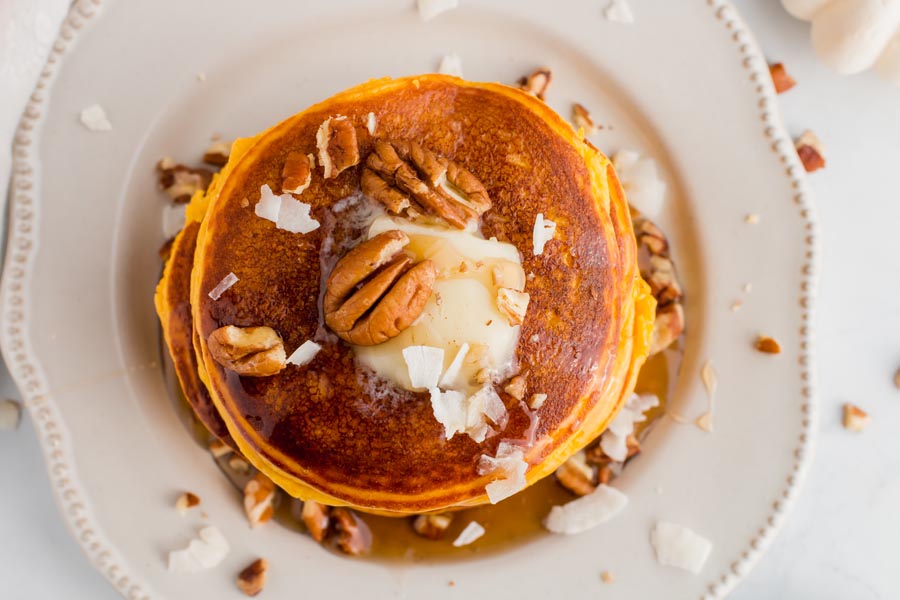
(321, 431)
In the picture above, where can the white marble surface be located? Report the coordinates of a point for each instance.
(843, 539)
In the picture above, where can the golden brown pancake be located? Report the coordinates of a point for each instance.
(174, 310)
(317, 430)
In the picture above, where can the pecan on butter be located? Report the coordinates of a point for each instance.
(375, 291)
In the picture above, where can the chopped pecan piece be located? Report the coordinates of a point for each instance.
(259, 495)
(432, 527)
(783, 82)
(667, 327)
(297, 172)
(405, 177)
(767, 345)
(513, 304)
(252, 579)
(248, 351)
(338, 148)
(582, 118)
(537, 83)
(663, 282)
(180, 182)
(375, 291)
(316, 517)
(810, 151)
(185, 502)
(217, 154)
(515, 387)
(576, 475)
(352, 535)
(855, 418)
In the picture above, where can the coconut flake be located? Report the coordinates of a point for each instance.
(94, 118)
(227, 281)
(10, 414)
(304, 354)
(509, 462)
(371, 123)
(451, 64)
(472, 532)
(544, 231)
(586, 512)
(204, 552)
(269, 204)
(452, 372)
(429, 9)
(533, 421)
(643, 187)
(294, 216)
(678, 546)
(425, 364)
(173, 219)
(613, 441)
(486, 403)
(449, 410)
(618, 11)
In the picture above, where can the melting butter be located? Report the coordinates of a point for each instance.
(462, 309)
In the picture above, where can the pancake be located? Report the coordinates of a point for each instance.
(323, 431)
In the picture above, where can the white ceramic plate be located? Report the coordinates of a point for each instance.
(685, 83)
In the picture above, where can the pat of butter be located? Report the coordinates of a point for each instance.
(462, 309)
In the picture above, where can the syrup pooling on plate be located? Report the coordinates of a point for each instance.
(515, 521)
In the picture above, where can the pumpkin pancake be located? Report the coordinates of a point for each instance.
(348, 426)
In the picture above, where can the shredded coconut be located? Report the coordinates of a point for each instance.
(509, 463)
(449, 410)
(227, 281)
(452, 372)
(371, 123)
(269, 204)
(618, 11)
(304, 354)
(424, 364)
(472, 532)
(429, 9)
(204, 552)
(451, 64)
(586, 512)
(294, 216)
(678, 546)
(544, 231)
(173, 219)
(95, 119)
(613, 441)
(643, 187)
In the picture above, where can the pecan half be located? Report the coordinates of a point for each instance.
(297, 172)
(338, 148)
(249, 351)
(352, 535)
(180, 182)
(375, 292)
(404, 176)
